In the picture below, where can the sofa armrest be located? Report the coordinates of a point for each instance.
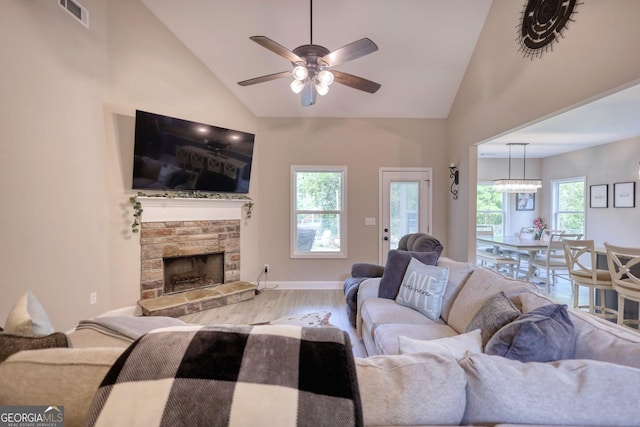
(364, 269)
(368, 289)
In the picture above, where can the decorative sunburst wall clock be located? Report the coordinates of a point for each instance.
(542, 24)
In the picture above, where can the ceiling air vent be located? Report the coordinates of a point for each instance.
(76, 10)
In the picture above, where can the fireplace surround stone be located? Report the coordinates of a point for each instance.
(167, 239)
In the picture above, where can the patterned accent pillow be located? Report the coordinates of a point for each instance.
(10, 344)
(496, 312)
(542, 335)
(423, 287)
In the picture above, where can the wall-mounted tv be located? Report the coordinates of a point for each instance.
(181, 155)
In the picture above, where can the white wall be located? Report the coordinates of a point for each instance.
(604, 164)
(363, 145)
(54, 217)
(502, 90)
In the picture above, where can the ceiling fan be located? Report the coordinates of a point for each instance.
(311, 64)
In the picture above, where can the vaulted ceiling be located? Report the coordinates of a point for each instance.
(424, 49)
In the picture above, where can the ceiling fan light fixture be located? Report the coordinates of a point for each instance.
(300, 73)
(322, 88)
(325, 77)
(296, 86)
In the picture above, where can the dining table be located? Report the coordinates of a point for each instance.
(514, 243)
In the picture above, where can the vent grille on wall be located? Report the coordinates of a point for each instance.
(76, 10)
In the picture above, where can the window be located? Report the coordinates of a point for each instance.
(318, 211)
(568, 205)
(490, 208)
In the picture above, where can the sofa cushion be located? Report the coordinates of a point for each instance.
(496, 312)
(542, 335)
(28, 317)
(459, 272)
(456, 346)
(379, 311)
(567, 392)
(482, 284)
(397, 263)
(412, 389)
(387, 337)
(602, 340)
(61, 376)
(422, 288)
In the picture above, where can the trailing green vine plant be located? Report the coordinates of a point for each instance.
(137, 205)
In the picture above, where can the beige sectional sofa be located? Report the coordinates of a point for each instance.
(449, 385)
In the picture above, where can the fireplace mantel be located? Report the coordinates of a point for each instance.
(158, 209)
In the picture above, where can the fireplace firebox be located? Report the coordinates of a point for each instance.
(184, 273)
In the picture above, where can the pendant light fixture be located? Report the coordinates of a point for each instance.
(518, 185)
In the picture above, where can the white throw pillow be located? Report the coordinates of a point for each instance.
(411, 389)
(456, 347)
(28, 317)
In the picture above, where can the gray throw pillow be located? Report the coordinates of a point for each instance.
(423, 287)
(496, 312)
(542, 335)
(397, 263)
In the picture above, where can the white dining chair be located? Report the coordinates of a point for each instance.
(624, 267)
(553, 258)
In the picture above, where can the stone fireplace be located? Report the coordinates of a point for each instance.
(190, 265)
(178, 240)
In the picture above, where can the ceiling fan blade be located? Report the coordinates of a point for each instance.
(349, 52)
(308, 95)
(277, 48)
(355, 82)
(266, 78)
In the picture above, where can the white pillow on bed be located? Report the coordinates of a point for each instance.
(457, 346)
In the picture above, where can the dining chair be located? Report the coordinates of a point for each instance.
(624, 267)
(581, 261)
(525, 233)
(552, 259)
(490, 256)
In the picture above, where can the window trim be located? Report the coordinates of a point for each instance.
(293, 252)
(555, 201)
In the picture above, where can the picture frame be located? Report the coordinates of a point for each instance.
(624, 194)
(525, 201)
(599, 196)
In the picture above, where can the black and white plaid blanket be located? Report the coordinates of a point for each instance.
(266, 375)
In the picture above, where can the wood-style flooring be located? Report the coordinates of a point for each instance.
(274, 303)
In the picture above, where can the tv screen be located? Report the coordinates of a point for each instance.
(181, 155)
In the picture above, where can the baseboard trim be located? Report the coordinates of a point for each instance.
(301, 285)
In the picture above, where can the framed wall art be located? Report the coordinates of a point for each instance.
(624, 195)
(599, 196)
(525, 201)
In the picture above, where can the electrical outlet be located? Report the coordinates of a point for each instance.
(266, 268)
(93, 298)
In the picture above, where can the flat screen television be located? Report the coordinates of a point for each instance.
(181, 155)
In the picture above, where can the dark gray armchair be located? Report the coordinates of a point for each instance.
(414, 242)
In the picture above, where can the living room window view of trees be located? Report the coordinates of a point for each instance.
(318, 205)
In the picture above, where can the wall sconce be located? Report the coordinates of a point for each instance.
(453, 174)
